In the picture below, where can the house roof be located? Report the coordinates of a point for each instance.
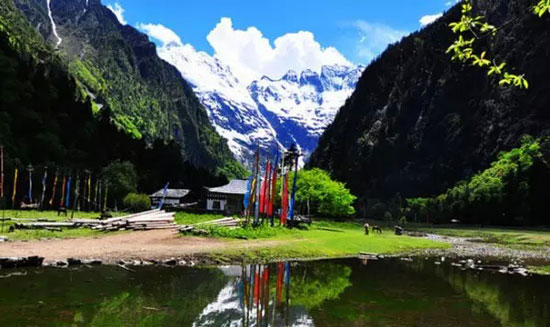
(171, 193)
(235, 186)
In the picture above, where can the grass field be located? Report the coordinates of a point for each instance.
(324, 239)
(19, 234)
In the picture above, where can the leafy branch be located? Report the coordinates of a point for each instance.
(542, 8)
(463, 48)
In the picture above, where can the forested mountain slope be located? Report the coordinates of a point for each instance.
(418, 122)
(118, 67)
(44, 122)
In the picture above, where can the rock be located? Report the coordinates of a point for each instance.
(170, 262)
(74, 262)
(182, 263)
(62, 263)
(13, 262)
(147, 263)
(93, 262)
(136, 263)
(3, 238)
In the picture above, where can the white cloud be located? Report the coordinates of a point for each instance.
(428, 19)
(118, 11)
(451, 2)
(375, 38)
(160, 33)
(250, 54)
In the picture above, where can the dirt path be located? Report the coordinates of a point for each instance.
(156, 244)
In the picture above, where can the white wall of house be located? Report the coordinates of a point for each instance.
(216, 204)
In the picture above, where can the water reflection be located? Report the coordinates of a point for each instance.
(323, 293)
(271, 295)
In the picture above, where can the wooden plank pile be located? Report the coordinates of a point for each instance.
(200, 228)
(147, 220)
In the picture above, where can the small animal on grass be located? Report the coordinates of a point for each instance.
(366, 227)
(377, 229)
(62, 210)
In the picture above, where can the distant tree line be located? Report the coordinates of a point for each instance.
(512, 191)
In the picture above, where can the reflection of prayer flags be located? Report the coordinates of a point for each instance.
(256, 285)
(14, 186)
(287, 273)
(279, 284)
(53, 190)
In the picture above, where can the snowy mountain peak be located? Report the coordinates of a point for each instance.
(271, 113)
(291, 76)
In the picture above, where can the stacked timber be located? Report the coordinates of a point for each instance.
(147, 220)
(201, 228)
(152, 219)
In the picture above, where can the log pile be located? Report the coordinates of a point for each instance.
(201, 228)
(147, 220)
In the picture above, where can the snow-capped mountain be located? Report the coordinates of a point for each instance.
(270, 113)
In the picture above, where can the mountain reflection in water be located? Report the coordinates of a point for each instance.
(326, 293)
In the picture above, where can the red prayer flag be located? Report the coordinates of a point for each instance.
(273, 190)
(285, 200)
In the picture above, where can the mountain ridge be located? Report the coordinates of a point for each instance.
(118, 66)
(418, 122)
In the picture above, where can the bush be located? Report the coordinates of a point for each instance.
(137, 202)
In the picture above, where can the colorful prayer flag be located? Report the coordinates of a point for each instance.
(63, 185)
(273, 188)
(53, 190)
(68, 198)
(44, 178)
(14, 186)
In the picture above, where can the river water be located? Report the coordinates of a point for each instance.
(351, 292)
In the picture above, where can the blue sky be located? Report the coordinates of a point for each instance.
(257, 38)
(333, 23)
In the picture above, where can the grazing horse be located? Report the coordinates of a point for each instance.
(377, 229)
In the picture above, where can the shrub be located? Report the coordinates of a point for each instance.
(137, 202)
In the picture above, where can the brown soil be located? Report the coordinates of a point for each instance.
(146, 245)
